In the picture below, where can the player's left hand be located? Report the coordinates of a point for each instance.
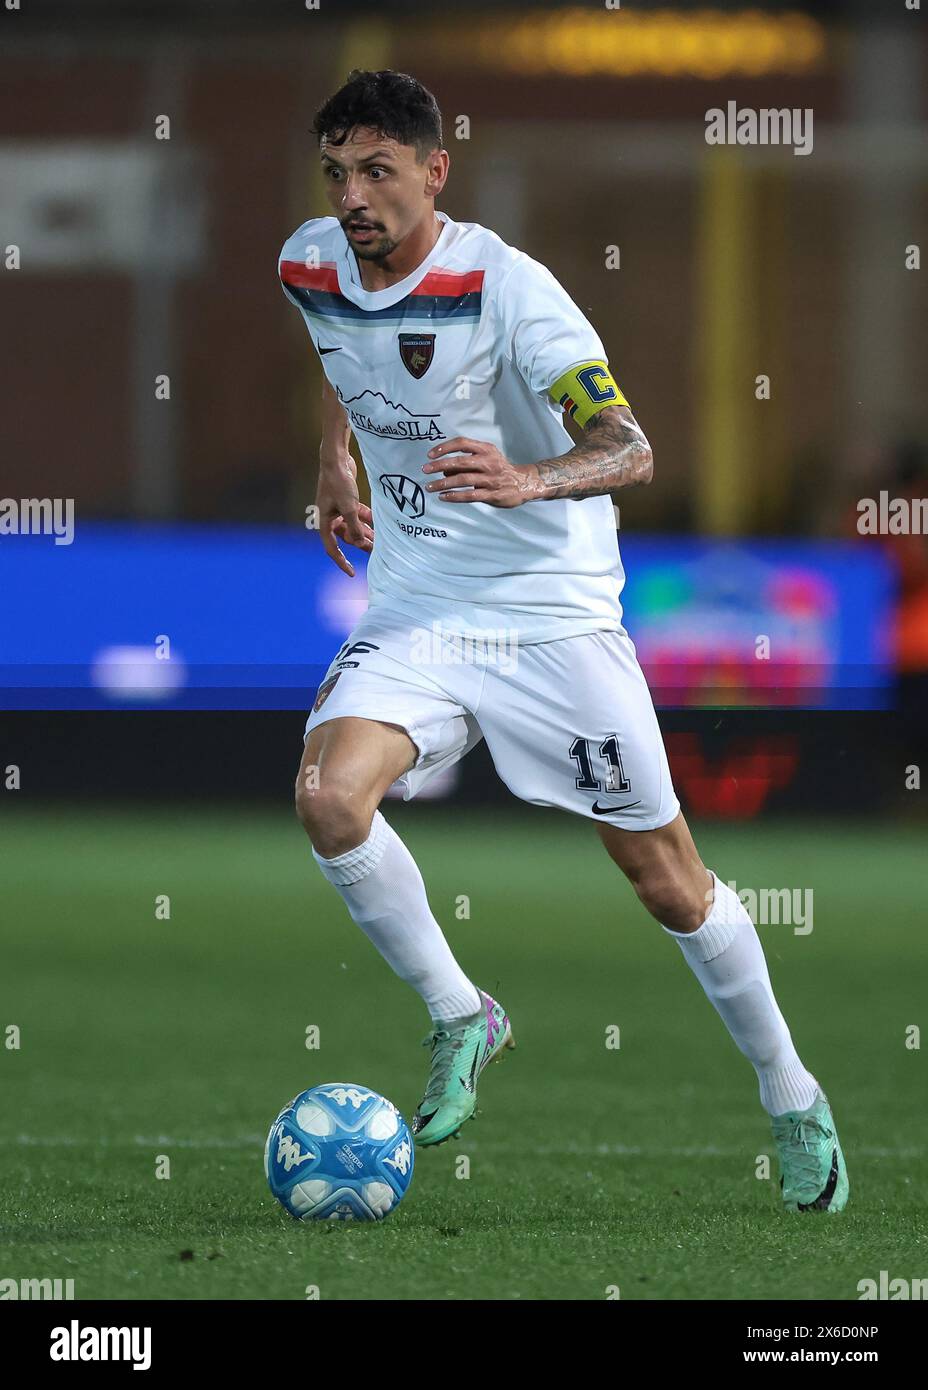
(482, 472)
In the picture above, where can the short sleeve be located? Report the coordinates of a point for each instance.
(554, 346)
(283, 269)
(295, 265)
(545, 331)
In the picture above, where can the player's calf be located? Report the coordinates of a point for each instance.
(665, 870)
(721, 946)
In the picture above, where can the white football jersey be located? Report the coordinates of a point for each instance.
(479, 340)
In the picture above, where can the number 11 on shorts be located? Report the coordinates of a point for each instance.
(615, 780)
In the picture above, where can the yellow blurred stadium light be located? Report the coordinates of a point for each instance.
(626, 43)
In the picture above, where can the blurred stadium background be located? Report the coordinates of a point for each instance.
(571, 130)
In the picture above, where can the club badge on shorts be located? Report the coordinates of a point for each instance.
(324, 691)
(417, 351)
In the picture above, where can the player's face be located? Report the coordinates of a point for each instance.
(378, 190)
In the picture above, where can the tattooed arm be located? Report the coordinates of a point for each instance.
(614, 454)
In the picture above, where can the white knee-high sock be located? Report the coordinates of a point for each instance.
(384, 892)
(727, 959)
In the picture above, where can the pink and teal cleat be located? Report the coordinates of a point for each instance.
(460, 1051)
(813, 1174)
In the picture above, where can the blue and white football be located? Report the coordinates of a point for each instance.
(339, 1152)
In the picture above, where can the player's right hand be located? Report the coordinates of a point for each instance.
(342, 515)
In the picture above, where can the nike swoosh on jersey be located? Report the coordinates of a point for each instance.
(322, 351)
(608, 810)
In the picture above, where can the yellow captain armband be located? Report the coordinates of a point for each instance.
(586, 389)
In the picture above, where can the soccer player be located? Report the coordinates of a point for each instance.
(494, 599)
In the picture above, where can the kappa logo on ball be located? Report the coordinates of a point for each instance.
(402, 1158)
(347, 1095)
(289, 1152)
(324, 691)
(417, 351)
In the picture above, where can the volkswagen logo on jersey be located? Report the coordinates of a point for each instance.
(417, 351)
(405, 492)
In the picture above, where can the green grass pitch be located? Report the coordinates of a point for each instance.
(589, 1167)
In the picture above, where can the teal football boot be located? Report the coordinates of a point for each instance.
(813, 1175)
(460, 1051)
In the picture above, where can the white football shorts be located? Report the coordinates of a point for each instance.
(568, 723)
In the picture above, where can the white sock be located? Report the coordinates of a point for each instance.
(384, 892)
(727, 959)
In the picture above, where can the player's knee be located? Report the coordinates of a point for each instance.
(334, 817)
(656, 892)
(669, 900)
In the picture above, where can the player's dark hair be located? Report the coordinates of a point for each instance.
(394, 104)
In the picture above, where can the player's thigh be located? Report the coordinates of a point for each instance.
(571, 724)
(351, 759)
(398, 718)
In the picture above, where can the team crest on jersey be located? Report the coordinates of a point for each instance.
(324, 691)
(417, 351)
